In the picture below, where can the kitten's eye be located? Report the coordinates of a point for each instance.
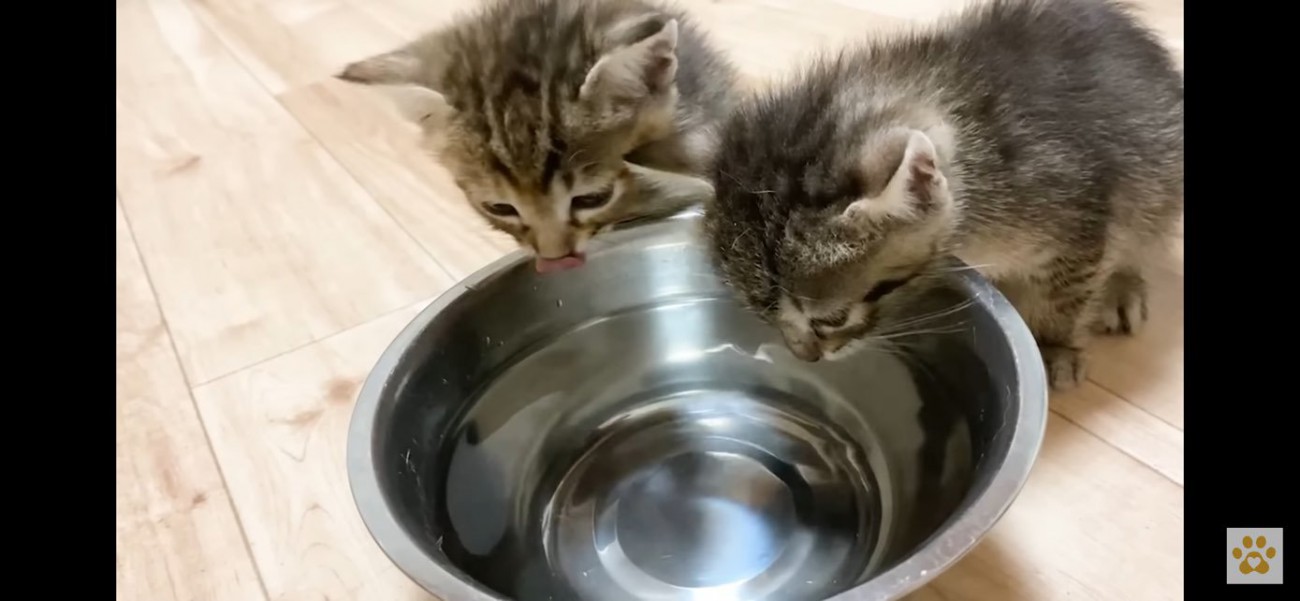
(881, 289)
(589, 201)
(501, 209)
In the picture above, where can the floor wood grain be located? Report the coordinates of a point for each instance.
(279, 431)
(177, 534)
(257, 240)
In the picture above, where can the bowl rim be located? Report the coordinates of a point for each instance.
(940, 552)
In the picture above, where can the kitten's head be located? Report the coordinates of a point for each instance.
(532, 105)
(824, 229)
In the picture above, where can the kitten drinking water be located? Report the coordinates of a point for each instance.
(1039, 140)
(559, 118)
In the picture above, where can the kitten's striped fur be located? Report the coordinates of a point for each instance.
(532, 103)
(1040, 140)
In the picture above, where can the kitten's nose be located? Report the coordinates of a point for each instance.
(569, 261)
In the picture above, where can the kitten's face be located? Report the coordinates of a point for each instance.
(829, 275)
(822, 313)
(533, 112)
(553, 209)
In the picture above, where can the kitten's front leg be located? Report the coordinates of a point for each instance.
(1059, 310)
(1123, 307)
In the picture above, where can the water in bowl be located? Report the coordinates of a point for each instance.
(679, 452)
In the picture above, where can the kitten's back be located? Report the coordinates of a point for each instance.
(1072, 105)
(1055, 105)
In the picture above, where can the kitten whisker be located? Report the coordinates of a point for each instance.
(912, 321)
(951, 330)
(735, 180)
(736, 241)
(960, 269)
(913, 358)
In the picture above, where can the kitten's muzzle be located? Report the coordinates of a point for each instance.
(811, 347)
(805, 346)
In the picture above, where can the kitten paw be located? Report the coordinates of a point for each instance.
(1124, 308)
(1065, 365)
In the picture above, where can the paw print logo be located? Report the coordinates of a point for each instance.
(1254, 559)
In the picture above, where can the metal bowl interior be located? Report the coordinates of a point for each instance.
(628, 431)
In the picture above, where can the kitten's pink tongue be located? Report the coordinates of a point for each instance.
(560, 264)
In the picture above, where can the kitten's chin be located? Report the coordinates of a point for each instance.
(849, 349)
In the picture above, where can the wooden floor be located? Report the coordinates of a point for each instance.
(276, 228)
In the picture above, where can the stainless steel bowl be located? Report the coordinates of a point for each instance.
(626, 431)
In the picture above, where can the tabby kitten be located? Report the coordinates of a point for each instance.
(559, 118)
(1041, 141)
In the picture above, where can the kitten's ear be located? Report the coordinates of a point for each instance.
(645, 66)
(405, 76)
(666, 192)
(418, 104)
(399, 67)
(915, 188)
